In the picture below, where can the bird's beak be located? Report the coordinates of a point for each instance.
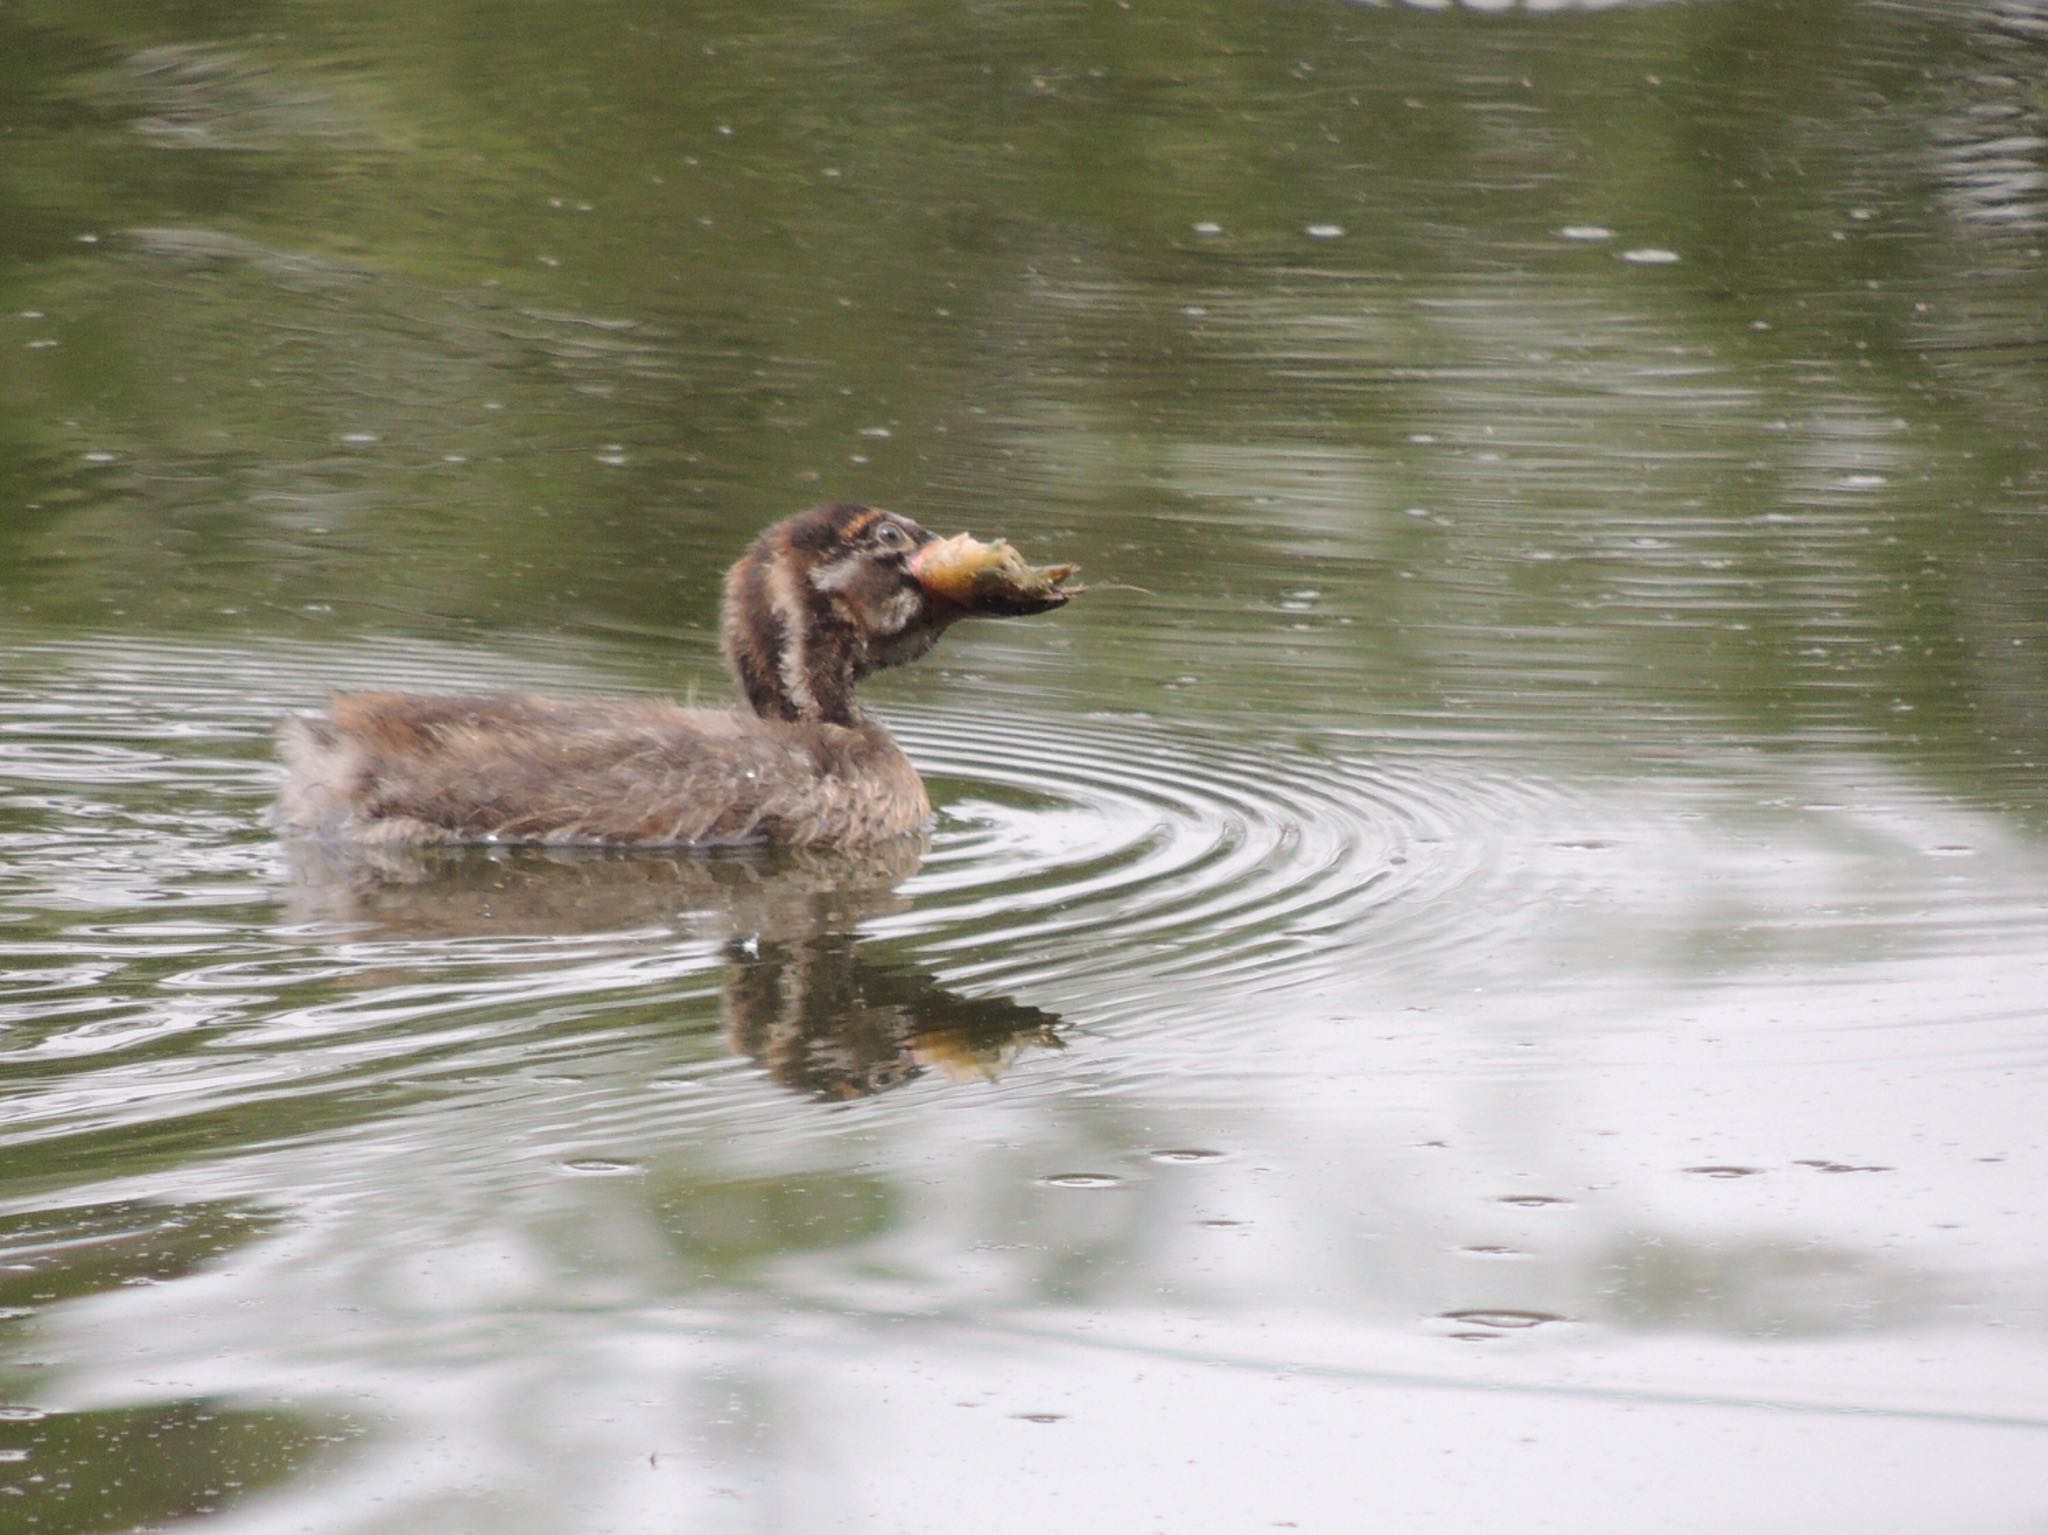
(990, 580)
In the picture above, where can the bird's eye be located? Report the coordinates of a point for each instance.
(889, 536)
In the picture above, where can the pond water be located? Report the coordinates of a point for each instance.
(1491, 976)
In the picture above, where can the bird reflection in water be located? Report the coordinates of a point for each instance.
(827, 1022)
(801, 997)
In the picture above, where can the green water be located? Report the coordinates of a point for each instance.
(1490, 976)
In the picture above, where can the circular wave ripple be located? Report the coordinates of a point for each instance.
(1115, 867)
(1119, 844)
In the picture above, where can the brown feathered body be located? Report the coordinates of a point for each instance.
(815, 605)
(397, 767)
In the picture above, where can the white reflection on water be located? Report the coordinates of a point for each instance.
(1471, 1046)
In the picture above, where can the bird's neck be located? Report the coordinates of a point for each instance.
(793, 657)
(790, 690)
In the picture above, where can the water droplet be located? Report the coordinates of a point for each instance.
(1649, 255)
(1325, 231)
(1082, 1180)
(1503, 1319)
(1039, 1417)
(1725, 1172)
(1186, 1154)
(1585, 232)
(1532, 1201)
(1208, 227)
(599, 1167)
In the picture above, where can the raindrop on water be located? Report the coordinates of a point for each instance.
(1504, 1319)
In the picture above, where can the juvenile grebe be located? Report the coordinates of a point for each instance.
(815, 604)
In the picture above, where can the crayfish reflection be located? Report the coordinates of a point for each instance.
(803, 995)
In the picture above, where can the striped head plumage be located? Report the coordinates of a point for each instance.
(820, 601)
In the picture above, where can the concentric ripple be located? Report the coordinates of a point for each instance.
(167, 958)
(1125, 846)
(164, 959)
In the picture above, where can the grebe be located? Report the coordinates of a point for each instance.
(815, 604)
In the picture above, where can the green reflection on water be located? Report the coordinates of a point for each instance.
(530, 320)
(1348, 336)
(119, 1467)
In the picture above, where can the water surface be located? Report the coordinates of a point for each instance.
(1489, 977)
